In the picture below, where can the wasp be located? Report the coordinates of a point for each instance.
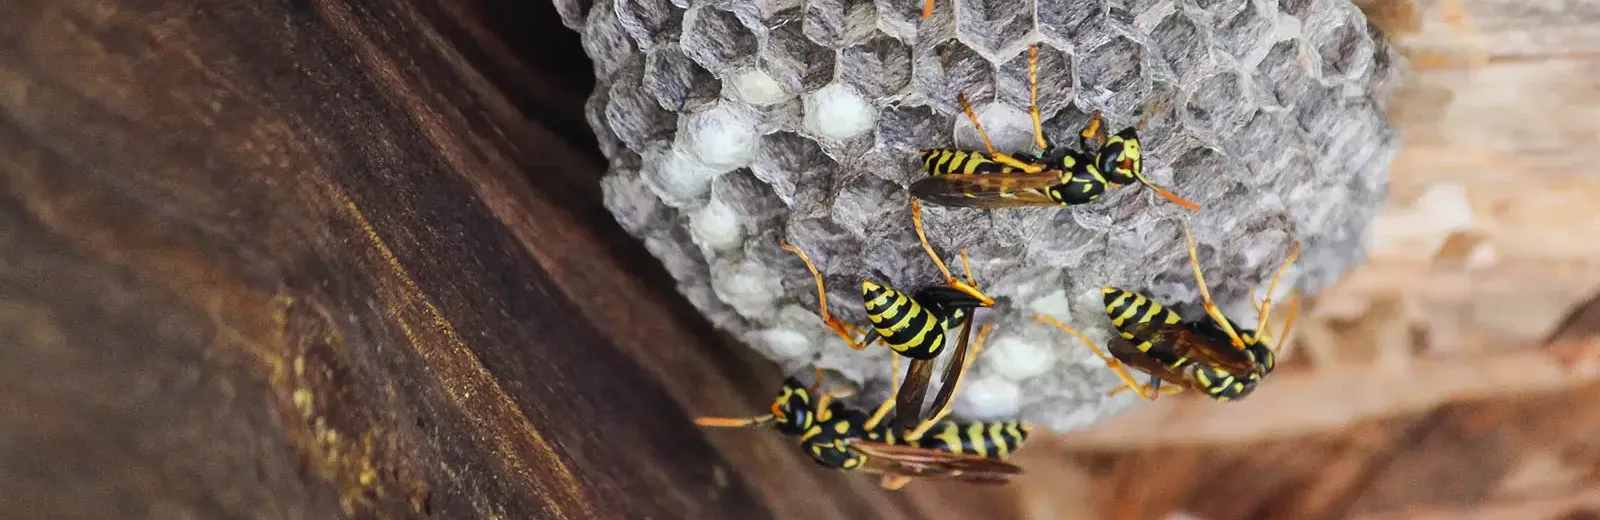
(915, 326)
(839, 437)
(1049, 177)
(1212, 355)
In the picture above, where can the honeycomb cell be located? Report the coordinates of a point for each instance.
(960, 70)
(1343, 48)
(1113, 74)
(1064, 21)
(879, 67)
(713, 37)
(1295, 8)
(994, 28)
(1055, 81)
(722, 137)
(869, 206)
(633, 115)
(1260, 140)
(649, 22)
(757, 206)
(606, 43)
(1123, 12)
(1244, 32)
(750, 288)
(909, 128)
(763, 12)
(1009, 128)
(630, 200)
(795, 61)
(1183, 46)
(676, 176)
(838, 23)
(1281, 77)
(1217, 106)
(754, 86)
(1203, 173)
(838, 112)
(677, 82)
(716, 226)
(781, 159)
(1222, 9)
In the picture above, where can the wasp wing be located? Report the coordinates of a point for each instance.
(952, 371)
(1133, 357)
(913, 391)
(1182, 341)
(914, 461)
(988, 190)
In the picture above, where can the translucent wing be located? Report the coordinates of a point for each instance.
(908, 401)
(1133, 357)
(989, 190)
(923, 462)
(1182, 340)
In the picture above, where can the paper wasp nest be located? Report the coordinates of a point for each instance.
(733, 124)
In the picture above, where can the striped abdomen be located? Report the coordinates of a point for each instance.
(945, 161)
(909, 328)
(995, 440)
(1134, 315)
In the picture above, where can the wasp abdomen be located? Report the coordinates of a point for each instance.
(907, 326)
(946, 161)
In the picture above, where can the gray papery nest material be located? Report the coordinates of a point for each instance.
(732, 125)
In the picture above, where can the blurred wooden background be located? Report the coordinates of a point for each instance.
(307, 259)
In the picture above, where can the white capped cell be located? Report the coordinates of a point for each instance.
(722, 138)
(716, 226)
(1009, 128)
(991, 397)
(678, 177)
(756, 87)
(1055, 305)
(784, 343)
(750, 288)
(1016, 358)
(838, 112)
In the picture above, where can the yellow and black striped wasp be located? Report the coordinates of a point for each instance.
(1212, 354)
(838, 437)
(1049, 177)
(914, 326)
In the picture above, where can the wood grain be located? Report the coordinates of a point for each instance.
(311, 259)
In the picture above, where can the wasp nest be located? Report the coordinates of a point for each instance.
(733, 125)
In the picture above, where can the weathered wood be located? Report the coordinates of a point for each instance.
(293, 259)
(1534, 449)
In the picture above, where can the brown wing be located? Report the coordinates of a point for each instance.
(952, 371)
(914, 461)
(914, 390)
(1181, 341)
(988, 190)
(1131, 356)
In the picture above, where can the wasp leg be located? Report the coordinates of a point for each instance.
(1265, 310)
(732, 422)
(893, 482)
(1294, 309)
(927, 9)
(1039, 138)
(1146, 389)
(1111, 362)
(1092, 131)
(822, 300)
(944, 411)
(1205, 293)
(949, 279)
(988, 146)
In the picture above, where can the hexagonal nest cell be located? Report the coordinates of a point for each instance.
(735, 125)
